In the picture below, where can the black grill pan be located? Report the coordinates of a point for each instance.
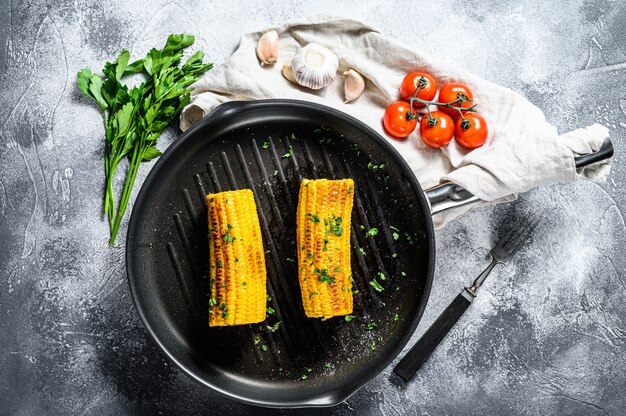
(268, 146)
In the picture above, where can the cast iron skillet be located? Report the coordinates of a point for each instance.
(269, 146)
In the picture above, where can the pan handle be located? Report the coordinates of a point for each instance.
(448, 195)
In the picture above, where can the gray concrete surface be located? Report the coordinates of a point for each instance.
(547, 335)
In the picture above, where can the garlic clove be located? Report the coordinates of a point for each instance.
(314, 66)
(353, 86)
(288, 73)
(267, 48)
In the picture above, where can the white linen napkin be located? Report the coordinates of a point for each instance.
(522, 151)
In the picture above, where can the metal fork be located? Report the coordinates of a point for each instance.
(501, 254)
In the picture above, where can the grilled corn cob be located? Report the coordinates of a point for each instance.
(323, 235)
(236, 260)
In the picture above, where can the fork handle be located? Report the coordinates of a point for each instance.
(419, 353)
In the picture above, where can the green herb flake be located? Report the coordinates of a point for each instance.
(243, 283)
(372, 232)
(403, 274)
(257, 340)
(273, 328)
(395, 235)
(220, 263)
(270, 310)
(229, 238)
(303, 377)
(293, 137)
(395, 317)
(371, 326)
(324, 276)
(373, 346)
(328, 365)
(394, 255)
(290, 260)
(264, 347)
(289, 153)
(374, 283)
(265, 144)
(362, 250)
(275, 172)
(313, 294)
(349, 318)
(382, 276)
(212, 302)
(314, 218)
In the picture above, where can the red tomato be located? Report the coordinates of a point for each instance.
(441, 133)
(410, 83)
(396, 121)
(451, 92)
(473, 133)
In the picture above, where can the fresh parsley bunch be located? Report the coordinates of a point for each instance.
(135, 118)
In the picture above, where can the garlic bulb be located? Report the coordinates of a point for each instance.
(353, 86)
(314, 66)
(288, 73)
(267, 48)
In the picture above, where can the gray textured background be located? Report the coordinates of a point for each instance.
(546, 335)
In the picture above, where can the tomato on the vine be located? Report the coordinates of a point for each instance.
(411, 82)
(471, 130)
(452, 92)
(436, 130)
(397, 121)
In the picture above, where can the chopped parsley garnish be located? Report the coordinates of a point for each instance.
(393, 228)
(224, 283)
(362, 250)
(293, 137)
(224, 314)
(264, 347)
(303, 377)
(328, 365)
(348, 318)
(376, 285)
(243, 283)
(273, 328)
(381, 275)
(212, 199)
(303, 248)
(220, 263)
(229, 238)
(223, 305)
(373, 345)
(325, 248)
(335, 225)
(314, 217)
(289, 153)
(257, 340)
(372, 232)
(212, 302)
(324, 276)
(312, 294)
(289, 259)
(375, 167)
(309, 255)
(275, 172)
(395, 235)
(394, 255)
(265, 144)
(236, 260)
(409, 239)
(371, 326)
(395, 317)
(403, 274)
(270, 310)
(350, 190)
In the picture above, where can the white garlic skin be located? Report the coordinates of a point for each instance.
(288, 73)
(314, 66)
(267, 48)
(353, 86)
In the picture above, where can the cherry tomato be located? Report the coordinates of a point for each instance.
(396, 122)
(451, 92)
(441, 133)
(410, 83)
(471, 133)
